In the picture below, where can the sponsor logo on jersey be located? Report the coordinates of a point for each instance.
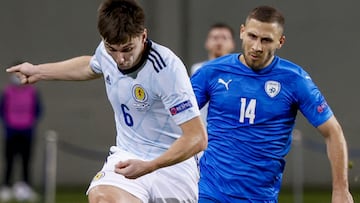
(272, 88)
(226, 84)
(180, 107)
(107, 79)
(322, 107)
(99, 175)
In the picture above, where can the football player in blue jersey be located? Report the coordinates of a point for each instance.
(253, 100)
(159, 129)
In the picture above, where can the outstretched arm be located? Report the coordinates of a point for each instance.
(338, 156)
(73, 69)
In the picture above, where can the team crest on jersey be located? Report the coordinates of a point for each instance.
(139, 93)
(99, 175)
(140, 96)
(272, 88)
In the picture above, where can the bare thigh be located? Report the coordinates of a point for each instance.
(111, 194)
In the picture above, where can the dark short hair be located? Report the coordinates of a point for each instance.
(120, 20)
(267, 14)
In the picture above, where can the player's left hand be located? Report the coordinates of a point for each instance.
(133, 168)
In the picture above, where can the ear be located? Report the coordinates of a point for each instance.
(282, 41)
(242, 30)
(144, 35)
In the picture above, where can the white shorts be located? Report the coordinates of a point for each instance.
(177, 183)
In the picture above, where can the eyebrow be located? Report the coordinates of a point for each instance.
(130, 44)
(254, 34)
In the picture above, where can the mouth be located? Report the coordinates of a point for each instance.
(254, 56)
(123, 66)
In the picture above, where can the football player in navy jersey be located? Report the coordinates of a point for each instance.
(159, 129)
(253, 100)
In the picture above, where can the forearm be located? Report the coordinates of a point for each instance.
(193, 140)
(338, 156)
(337, 153)
(181, 150)
(72, 69)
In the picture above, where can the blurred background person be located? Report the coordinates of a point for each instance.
(20, 110)
(219, 41)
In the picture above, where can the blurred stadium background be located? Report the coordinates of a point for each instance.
(322, 36)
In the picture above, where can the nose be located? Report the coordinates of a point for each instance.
(257, 45)
(119, 58)
(220, 39)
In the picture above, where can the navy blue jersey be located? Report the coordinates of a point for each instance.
(250, 119)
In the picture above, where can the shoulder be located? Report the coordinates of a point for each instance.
(196, 67)
(100, 49)
(101, 59)
(212, 69)
(160, 51)
(225, 59)
(102, 54)
(226, 63)
(162, 57)
(290, 68)
(154, 46)
(297, 80)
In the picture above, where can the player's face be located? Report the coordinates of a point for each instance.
(259, 42)
(219, 42)
(127, 55)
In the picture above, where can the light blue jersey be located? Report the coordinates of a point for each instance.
(150, 102)
(250, 119)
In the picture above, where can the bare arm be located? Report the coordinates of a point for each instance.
(73, 69)
(192, 141)
(338, 156)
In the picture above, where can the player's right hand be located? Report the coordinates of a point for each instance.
(26, 72)
(133, 168)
